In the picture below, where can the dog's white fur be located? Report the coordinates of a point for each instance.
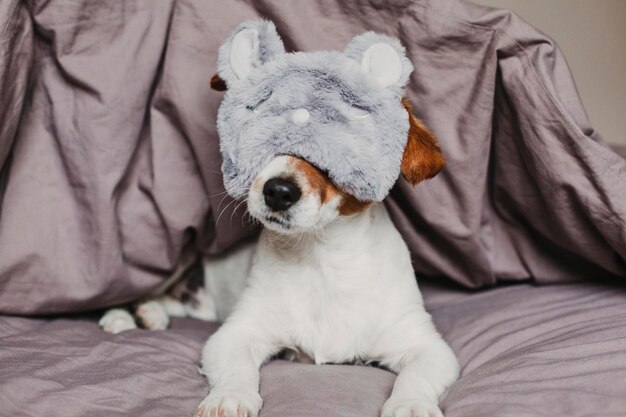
(335, 288)
(338, 289)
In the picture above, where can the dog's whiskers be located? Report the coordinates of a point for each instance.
(223, 211)
(238, 202)
(235, 210)
(245, 188)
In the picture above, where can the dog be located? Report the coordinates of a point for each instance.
(331, 279)
(314, 142)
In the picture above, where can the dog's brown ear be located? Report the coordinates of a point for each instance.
(422, 157)
(218, 84)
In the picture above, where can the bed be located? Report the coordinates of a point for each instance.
(109, 170)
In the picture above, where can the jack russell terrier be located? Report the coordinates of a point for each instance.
(330, 277)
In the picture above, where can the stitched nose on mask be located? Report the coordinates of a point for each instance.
(300, 116)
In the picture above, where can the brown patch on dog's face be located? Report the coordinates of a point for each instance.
(422, 157)
(319, 183)
(350, 205)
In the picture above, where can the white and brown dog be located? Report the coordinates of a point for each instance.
(330, 278)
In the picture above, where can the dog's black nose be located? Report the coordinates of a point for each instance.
(281, 193)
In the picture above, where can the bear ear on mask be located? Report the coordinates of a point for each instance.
(251, 45)
(383, 59)
(256, 42)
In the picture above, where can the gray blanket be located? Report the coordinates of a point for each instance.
(525, 351)
(109, 163)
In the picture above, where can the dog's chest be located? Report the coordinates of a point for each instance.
(330, 309)
(332, 298)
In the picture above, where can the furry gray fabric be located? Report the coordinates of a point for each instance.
(341, 112)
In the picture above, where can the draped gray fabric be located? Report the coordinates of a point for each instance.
(109, 166)
(110, 162)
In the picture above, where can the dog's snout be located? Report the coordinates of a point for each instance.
(281, 193)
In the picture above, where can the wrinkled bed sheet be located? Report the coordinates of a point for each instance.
(109, 167)
(554, 351)
(109, 160)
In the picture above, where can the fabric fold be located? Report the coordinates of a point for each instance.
(114, 161)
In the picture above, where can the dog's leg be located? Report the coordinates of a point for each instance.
(155, 313)
(426, 366)
(231, 361)
(203, 306)
(117, 320)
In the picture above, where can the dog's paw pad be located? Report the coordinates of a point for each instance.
(230, 404)
(116, 321)
(410, 408)
(153, 316)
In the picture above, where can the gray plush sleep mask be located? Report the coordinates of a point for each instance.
(342, 112)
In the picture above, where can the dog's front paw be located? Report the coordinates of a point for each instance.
(152, 315)
(117, 320)
(230, 403)
(410, 407)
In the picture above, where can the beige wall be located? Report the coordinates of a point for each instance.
(592, 35)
